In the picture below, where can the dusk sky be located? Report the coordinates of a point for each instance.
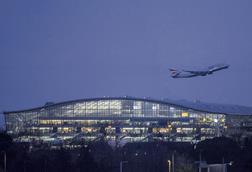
(64, 50)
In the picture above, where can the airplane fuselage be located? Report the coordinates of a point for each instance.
(190, 73)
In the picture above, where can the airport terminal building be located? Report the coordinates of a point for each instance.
(128, 119)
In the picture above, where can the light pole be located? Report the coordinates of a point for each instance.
(169, 165)
(225, 166)
(121, 165)
(4, 160)
(173, 161)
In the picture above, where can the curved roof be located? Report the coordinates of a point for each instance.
(216, 108)
(197, 106)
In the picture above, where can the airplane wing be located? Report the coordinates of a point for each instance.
(196, 72)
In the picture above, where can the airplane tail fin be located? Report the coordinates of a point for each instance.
(174, 72)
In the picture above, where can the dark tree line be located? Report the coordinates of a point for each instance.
(218, 150)
(140, 157)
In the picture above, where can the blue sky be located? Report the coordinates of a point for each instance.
(63, 50)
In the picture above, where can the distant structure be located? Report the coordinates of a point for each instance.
(128, 119)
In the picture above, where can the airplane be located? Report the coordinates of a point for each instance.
(194, 73)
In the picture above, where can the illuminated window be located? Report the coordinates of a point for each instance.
(184, 114)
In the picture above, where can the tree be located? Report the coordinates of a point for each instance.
(85, 161)
(217, 149)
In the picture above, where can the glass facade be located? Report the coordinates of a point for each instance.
(128, 119)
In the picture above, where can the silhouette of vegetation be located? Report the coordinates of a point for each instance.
(141, 157)
(218, 149)
(222, 149)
